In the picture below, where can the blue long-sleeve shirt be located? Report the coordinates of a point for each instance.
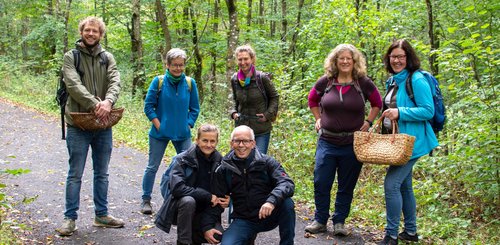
(413, 119)
(176, 107)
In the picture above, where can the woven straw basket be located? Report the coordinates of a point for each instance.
(386, 149)
(88, 121)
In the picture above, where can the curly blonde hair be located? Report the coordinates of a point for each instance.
(95, 21)
(359, 69)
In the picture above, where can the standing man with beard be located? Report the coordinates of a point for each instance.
(94, 86)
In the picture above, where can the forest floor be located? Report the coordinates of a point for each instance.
(32, 140)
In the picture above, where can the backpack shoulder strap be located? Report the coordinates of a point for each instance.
(409, 87)
(189, 83)
(76, 59)
(261, 87)
(160, 82)
(104, 59)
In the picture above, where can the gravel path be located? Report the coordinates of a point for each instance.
(31, 140)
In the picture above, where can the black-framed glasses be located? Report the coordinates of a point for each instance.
(397, 57)
(238, 142)
(177, 66)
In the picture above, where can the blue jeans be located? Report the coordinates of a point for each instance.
(332, 159)
(399, 197)
(241, 230)
(156, 151)
(78, 142)
(262, 142)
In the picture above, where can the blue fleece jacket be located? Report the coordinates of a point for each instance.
(176, 106)
(413, 119)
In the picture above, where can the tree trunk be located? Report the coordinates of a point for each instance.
(136, 48)
(162, 18)
(284, 21)
(213, 50)
(432, 39)
(105, 19)
(261, 13)
(232, 39)
(66, 20)
(249, 13)
(272, 23)
(198, 59)
(295, 36)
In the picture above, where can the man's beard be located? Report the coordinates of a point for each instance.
(90, 46)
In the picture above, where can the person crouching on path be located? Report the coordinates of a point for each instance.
(191, 194)
(260, 189)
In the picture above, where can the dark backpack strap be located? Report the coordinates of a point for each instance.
(355, 84)
(262, 88)
(233, 86)
(104, 59)
(409, 88)
(76, 58)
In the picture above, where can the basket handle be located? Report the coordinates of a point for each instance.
(377, 128)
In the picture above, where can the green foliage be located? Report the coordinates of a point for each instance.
(457, 190)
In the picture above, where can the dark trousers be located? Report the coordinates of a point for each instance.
(242, 231)
(188, 222)
(330, 160)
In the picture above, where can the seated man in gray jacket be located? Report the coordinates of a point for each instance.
(190, 192)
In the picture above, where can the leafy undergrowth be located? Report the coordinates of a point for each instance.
(456, 201)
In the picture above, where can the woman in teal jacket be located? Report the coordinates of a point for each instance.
(172, 109)
(402, 61)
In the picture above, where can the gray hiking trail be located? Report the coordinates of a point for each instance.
(32, 140)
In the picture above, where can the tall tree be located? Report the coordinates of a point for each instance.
(66, 20)
(249, 13)
(162, 18)
(432, 38)
(261, 13)
(136, 48)
(284, 21)
(198, 59)
(213, 49)
(295, 36)
(233, 36)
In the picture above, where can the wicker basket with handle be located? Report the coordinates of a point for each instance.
(386, 149)
(89, 121)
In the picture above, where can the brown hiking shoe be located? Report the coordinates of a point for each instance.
(315, 227)
(67, 228)
(108, 221)
(340, 230)
(146, 207)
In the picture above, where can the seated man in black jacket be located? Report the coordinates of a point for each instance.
(191, 193)
(260, 191)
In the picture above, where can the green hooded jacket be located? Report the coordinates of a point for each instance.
(99, 82)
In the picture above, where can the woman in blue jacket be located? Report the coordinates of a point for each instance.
(401, 61)
(172, 105)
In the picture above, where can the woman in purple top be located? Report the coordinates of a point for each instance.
(337, 101)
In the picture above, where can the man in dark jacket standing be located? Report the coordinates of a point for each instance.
(191, 193)
(94, 86)
(260, 191)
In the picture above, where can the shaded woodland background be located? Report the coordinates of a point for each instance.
(457, 189)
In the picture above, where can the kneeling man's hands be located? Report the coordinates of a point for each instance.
(209, 236)
(265, 210)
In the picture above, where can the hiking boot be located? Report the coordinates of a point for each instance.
(146, 207)
(67, 228)
(407, 237)
(315, 227)
(108, 221)
(388, 240)
(340, 230)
